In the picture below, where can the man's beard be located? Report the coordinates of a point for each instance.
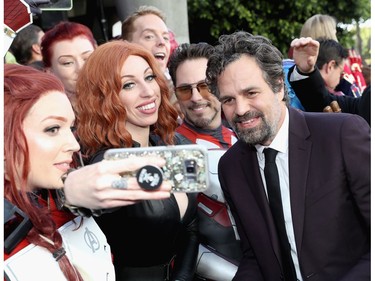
(201, 122)
(256, 135)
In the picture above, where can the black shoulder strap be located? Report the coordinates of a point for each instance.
(16, 226)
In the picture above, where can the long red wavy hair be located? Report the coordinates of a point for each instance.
(101, 117)
(23, 86)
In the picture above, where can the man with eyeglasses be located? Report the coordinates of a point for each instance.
(329, 62)
(308, 83)
(219, 251)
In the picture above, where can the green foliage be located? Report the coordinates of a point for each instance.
(280, 21)
(366, 45)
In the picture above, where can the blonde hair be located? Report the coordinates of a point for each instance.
(127, 28)
(320, 26)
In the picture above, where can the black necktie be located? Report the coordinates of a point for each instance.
(274, 198)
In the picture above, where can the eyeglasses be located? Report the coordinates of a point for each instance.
(184, 93)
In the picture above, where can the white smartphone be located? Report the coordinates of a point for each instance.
(186, 165)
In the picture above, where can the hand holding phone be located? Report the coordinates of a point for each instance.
(186, 165)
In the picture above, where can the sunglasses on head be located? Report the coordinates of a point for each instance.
(185, 92)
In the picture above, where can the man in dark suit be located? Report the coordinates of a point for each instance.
(323, 163)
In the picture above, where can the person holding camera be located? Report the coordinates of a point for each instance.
(43, 240)
(123, 102)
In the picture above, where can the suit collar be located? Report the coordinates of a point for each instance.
(299, 157)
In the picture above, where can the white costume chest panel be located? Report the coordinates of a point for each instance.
(86, 248)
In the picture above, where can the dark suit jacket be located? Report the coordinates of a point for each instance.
(329, 173)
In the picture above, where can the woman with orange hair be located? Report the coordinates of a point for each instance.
(123, 101)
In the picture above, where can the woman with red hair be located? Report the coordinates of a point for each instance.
(38, 150)
(42, 239)
(123, 101)
(65, 48)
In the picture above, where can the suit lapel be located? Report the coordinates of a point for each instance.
(299, 157)
(248, 161)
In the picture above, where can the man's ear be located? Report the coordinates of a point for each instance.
(282, 94)
(331, 65)
(36, 49)
(325, 69)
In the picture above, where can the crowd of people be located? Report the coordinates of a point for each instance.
(71, 215)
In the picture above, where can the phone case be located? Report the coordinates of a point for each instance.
(186, 165)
